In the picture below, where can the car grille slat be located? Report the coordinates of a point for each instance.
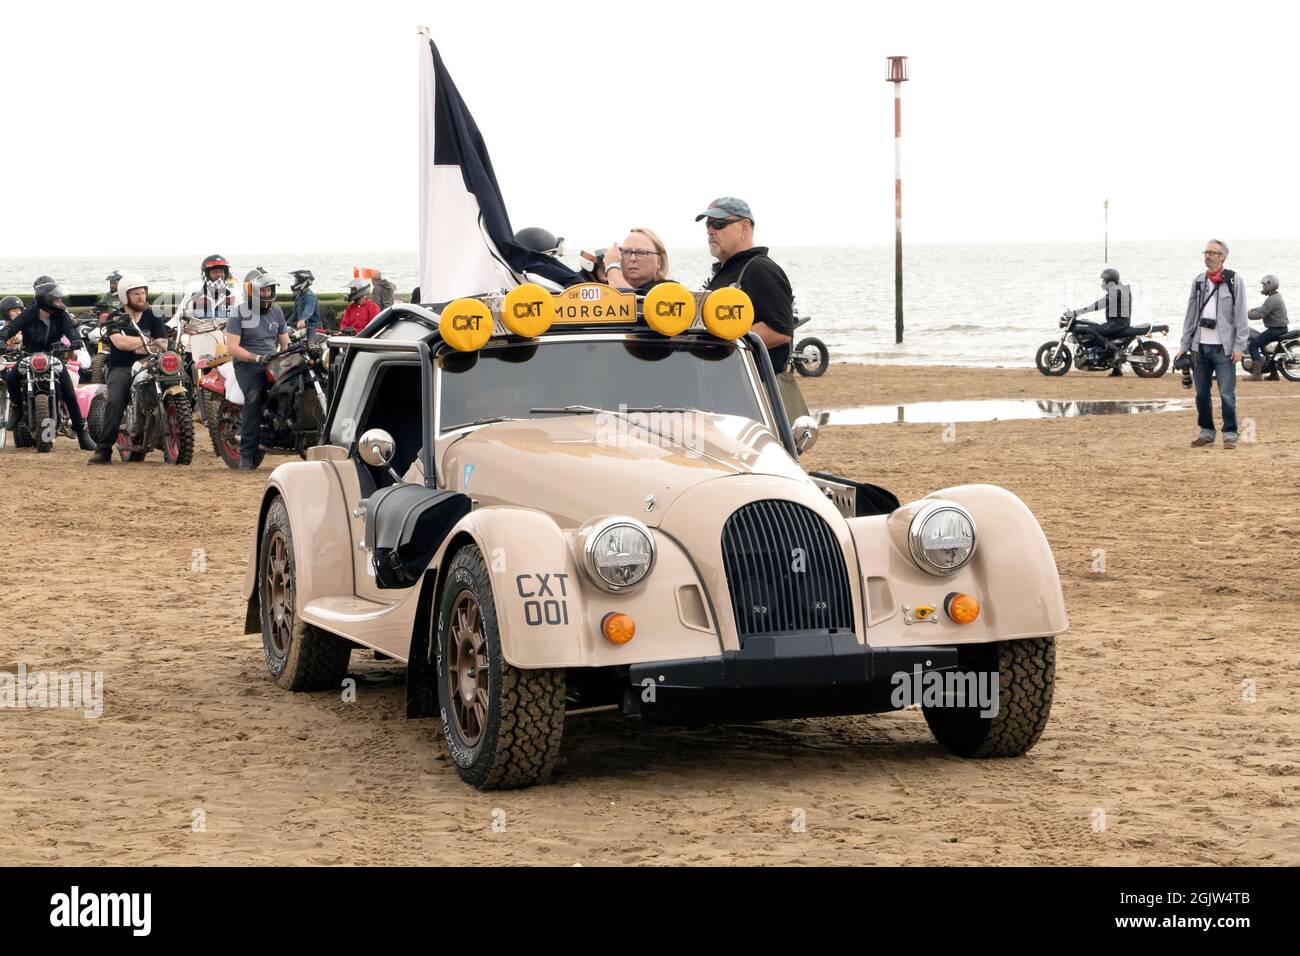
(768, 596)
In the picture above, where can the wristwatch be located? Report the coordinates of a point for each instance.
(612, 266)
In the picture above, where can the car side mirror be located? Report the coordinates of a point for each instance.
(377, 448)
(805, 429)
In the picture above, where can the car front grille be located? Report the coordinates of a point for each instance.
(785, 571)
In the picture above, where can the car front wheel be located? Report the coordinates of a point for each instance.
(1026, 674)
(503, 725)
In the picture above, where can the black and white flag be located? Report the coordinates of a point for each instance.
(467, 246)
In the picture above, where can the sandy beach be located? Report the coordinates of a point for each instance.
(1174, 738)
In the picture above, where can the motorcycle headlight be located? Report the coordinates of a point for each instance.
(942, 537)
(619, 553)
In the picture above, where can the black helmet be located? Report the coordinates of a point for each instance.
(41, 280)
(302, 278)
(47, 292)
(540, 240)
(1109, 275)
(7, 303)
(215, 262)
(358, 289)
(113, 277)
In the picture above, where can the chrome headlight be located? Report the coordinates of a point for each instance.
(941, 537)
(618, 553)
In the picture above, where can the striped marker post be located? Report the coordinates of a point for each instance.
(898, 76)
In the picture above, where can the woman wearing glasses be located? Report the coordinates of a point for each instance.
(639, 264)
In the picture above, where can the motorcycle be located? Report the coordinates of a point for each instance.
(92, 326)
(158, 414)
(39, 398)
(1094, 352)
(810, 356)
(1282, 356)
(205, 349)
(294, 405)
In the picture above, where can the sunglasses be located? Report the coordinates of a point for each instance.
(717, 225)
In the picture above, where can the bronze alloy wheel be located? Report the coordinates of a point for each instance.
(467, 668)
(279, 592)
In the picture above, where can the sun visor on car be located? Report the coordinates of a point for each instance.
(405, 525)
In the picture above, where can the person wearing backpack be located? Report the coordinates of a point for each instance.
(1215, 331)
(729, 225)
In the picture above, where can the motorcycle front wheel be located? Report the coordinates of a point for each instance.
(1150, 360)
(1053, 359)
(177, 430)
(811, 357)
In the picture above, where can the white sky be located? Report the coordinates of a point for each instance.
(154, 128)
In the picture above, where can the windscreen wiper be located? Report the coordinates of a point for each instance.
(566, 410)
(656, 408)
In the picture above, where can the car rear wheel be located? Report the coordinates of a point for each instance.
(503, 725)
(1026, 675)
(299, 656)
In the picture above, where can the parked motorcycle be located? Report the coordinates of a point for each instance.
(810, 356)
(294, 406)
(1094, 352)
(158, 415)
(1282, 356)
(44, 415)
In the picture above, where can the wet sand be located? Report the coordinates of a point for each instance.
(1152, 756)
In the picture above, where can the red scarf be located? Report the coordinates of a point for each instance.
(1215, 277)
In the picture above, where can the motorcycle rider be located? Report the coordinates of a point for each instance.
(41, 325)
(109, 298)
(360, 309)
(1273, 314)
(306, 312)
(10, 308)
(216, 297)
(256, 331)
(125, 347)
(1118, 303)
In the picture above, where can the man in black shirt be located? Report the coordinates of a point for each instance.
(729, 224)
(41, 325)
(125, 347)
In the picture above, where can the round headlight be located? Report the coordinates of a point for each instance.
(619, 553)
(942, 537)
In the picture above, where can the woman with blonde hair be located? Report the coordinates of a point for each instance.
(639, 263)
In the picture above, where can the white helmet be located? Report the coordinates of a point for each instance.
(132, 280)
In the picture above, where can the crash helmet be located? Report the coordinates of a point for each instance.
(41, 280)
(358, 289)
(249, 293)
(47, 292)
(540, 240)
(215, 262)
(262, 287)
(1109, 275)
(7, 305)
(1270, 284)
(113, 278)
(302, 279)
(128, 282)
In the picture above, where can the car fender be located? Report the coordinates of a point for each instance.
(1012, 573)
(322, 539)
(549, 612)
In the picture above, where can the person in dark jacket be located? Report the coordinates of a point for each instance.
(384, 291)
(1118, 303)
(1273, 314)
(306, 312)
(41, 326)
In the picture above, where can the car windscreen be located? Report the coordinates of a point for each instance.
(510, 380)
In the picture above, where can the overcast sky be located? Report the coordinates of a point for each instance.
(186, 128)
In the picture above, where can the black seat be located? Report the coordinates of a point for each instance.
(1288, 336)
(405, 525)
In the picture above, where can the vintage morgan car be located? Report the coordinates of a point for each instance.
(547, 505)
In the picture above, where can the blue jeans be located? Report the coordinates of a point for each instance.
(252, 381)
(1256, 347)
(1213, 362)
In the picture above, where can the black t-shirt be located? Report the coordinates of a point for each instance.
(151, 325)
(768, 288)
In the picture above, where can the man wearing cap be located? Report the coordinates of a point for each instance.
(729, 225)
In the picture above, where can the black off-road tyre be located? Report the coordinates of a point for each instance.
(522, 711)
(40, 415)
(226, 434)
(97, 366)
(299, 656)
(1051, 363)
(1161, 362)
(1026, 676)
(178, 448)
(95, 416)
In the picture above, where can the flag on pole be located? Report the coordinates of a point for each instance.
(467, 246)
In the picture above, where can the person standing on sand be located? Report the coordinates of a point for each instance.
(1215, 330)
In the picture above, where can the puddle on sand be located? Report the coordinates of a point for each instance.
(995, 410)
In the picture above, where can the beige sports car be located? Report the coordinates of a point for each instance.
(551, 505)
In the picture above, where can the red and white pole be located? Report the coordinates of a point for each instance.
(898, 76)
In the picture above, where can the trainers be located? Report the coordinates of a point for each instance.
(1199, 442)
